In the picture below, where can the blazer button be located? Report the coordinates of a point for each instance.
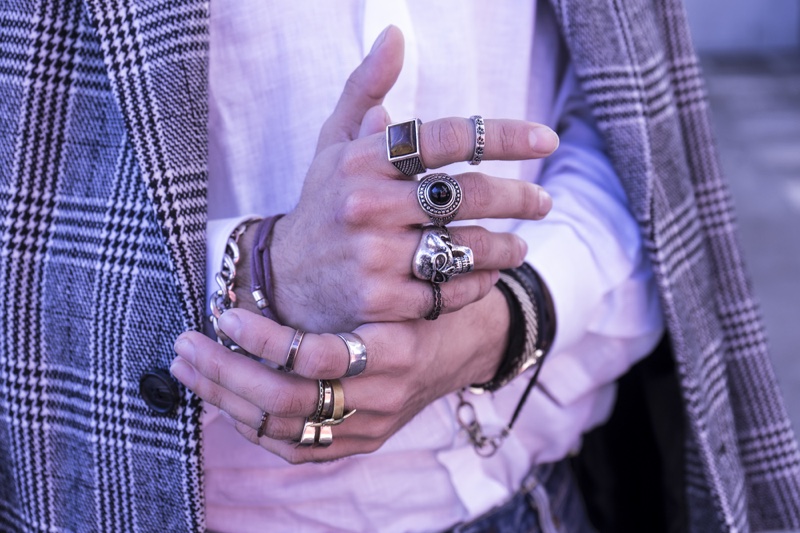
(159, 391)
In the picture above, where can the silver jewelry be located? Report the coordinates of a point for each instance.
(317, 428)
(224, 298)
(293, 349)
(402, 147)
(437, 259)
(437, 302)
(439, 196)
(262, 427)
(358, 354)
(480, 139)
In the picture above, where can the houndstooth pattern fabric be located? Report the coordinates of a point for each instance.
(636, 64)
(102, 198)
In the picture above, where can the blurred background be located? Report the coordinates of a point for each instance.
(750, 52)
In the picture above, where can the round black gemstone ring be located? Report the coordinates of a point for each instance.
(439, 197)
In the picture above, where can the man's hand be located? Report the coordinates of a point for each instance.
(343, 256)
(409, 365)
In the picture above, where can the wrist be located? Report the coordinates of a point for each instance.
(494, 323)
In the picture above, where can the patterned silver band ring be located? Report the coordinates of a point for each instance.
(480, 139)
(437, 302)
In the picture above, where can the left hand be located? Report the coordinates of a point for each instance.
(409, 365)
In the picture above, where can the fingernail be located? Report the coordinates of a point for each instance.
(543, 139)
(379, 40)
(545, 202)
(183, 372)
(230, 323)
(184, 347)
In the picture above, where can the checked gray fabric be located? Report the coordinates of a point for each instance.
(102, 194)
(636, 64)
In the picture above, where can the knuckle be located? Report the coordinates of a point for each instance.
(373, 298)
(449, 139)
(480, 195)
(215, 396)
(282, 402)
(358, 208)
(319, 364)
(480, 243)
(293, 456)
(528, 197)
(354, 158)
(279, 429)
(484, 284)
(508, 137)
(247, 432)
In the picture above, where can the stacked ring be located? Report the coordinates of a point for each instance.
(317, 429)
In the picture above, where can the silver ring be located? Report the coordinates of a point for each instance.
(293, 349)
(437, 302)
(439, 196)
(358, 354)
(262, 427)
(402, 147)
(480, 139)
(437, 259)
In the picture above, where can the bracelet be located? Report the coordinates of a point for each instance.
(261, 268)
(532, 296)
(224, 298)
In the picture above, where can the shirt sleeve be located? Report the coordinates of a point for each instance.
(589, 252)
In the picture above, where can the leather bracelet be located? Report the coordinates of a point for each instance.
(514, 352)
(261, 268)
(530, 294)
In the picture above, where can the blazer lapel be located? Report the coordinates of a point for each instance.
(156, 54)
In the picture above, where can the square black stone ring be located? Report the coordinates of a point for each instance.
(402, 147)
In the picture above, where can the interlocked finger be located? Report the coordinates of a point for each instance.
(325, 356)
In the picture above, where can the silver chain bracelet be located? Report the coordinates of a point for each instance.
(224, 297)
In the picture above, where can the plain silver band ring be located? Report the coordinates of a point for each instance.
(480, 139)
(358, 354)
(293, 349)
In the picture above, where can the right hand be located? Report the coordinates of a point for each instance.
(343, 256)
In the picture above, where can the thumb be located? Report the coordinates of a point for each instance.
(365, 88)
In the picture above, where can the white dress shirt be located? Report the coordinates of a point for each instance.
(276, 71)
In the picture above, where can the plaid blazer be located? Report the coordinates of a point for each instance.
(103, 158)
